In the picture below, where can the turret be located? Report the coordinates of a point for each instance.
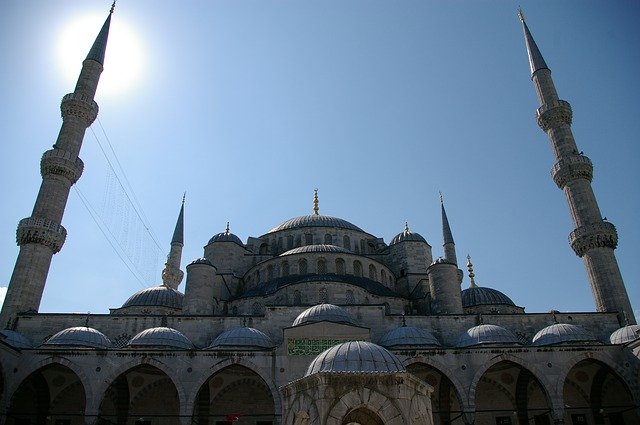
(593, 239)
(171, 274)
(41, 235)
(200, 294)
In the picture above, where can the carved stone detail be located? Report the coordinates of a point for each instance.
(554, 115)
(571, 168)
(79, 106)
(172, 276)
(41, 231)
(597, 235)
(58, 161)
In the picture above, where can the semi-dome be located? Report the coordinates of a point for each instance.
(226, 237)
(409, 336)
(562, 333)
(243, 338)
(625, 334)
(15, 339)
(478, 295)
(160, 337)
(407, 236)
(486, 334)
(324, 313)
(316, 248)
(356, 357)
(315, 220)
(79, 336)
(158, 296)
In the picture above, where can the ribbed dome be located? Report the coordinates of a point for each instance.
(315, 221)
(407, 235)
(316, 248)
(160, 337)
(486, 334)
(244, 338)
(324, 313)
(158, 296)
(478, 295)
(562, 332)
(15, 339)
(626, 334)
(226, 237)
(80, 336)
(408, 336)
(356, 357)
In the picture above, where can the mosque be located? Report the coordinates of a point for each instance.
(317, 321)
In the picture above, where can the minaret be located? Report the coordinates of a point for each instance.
(41, 235)
(171, 274)
(448, 244)
(593, 239)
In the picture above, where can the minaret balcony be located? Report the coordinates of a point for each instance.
(81, 106)
(60, 162)
(554, 114)
(571, 168)
(594, 235)
(41, 231)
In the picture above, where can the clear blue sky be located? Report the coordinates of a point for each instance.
(250, 105)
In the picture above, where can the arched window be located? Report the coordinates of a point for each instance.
(383, 276)
(285, 268)
(373, 273)
(308, 239)
(297, 298)
(298, 241)
(340, 266)
(269, 272)
(322, 266)
(363, 247)
(357, 268)
(302, 266)
(328, 240)
(346, 242)
(349, 297)
(323, 297)
(290, 242)
(257, 309)
(264, 248)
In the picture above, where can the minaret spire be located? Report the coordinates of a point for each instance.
(316, 208)
(448, 243)
(41, 235)
(472, 275)
(171, 274)
(592, 239)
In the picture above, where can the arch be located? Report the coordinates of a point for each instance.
(357, 268)
(373, 272)
(302, 266)
(340, 266)
(346, 242)
(362, 416)
(297, 297)
(387, 408)
(323, 296)
(321, 266)
(349, 297)
(328, 239)
(264, 248)
(284, 268)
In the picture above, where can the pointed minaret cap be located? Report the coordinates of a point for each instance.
(446, 229)
(536, 61)
(178, 233)
(472, 275)
(100, 44)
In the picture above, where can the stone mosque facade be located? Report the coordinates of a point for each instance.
(317, 321)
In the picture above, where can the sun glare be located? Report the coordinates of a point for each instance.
(123, 59)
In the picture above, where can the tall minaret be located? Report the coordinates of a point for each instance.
(171, 274)
(41, 235)
(593, 239)
(448, 244)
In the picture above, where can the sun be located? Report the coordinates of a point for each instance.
(124, 58)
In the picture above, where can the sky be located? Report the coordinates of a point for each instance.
(248, 106)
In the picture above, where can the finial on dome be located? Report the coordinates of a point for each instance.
(227, 231)
(316, 208)
(520, 14)
(471, 273)
(86, 320)
(406, 227)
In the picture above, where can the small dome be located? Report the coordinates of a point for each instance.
(244, 338)
(486, 334)
(15, 339)
(316, 248)
(562, 332)
(407, 236)
(478, 295)
(201, 261)
(160, 337)
(225, 237)
(356, 357)
(408, 336)
(315, 220)
(158, 296)
(80, 336)
(626, 334)
(324, 313)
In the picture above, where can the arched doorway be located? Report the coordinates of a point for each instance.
(509, 394)
(445, 400)
(143, 395)
(594, 393)
(53, 394)
(362, 416)
(234, 394)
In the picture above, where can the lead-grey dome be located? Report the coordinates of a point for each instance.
(324, 313)
(561, 333)
(160, 337)
(158, 296)
(79, 336)
(315, 220)
(243, 338)
(316, 248)
(15, 339)
(486, 334)
(625, 334)
(409, 336)
(407, 236)
(225, 237)
(478, 295)
(356, 357)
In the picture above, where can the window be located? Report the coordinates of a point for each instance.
(349, 297)
(328, 240)
(373, 273)
(340, 266)
(308, 239)
(297, 298)
(285, 268)
(302, 266)
(264, 248)
(357, 268)
(346, 242)
(290, 242)
(383, 276)
(323, 297)
(256, 309)
(322, 266)
(362, 246)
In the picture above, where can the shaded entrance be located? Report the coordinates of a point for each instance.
(362, 416)
(444, 400)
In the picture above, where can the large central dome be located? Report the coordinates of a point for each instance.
(315, 220)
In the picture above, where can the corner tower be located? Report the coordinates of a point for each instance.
(592, 239)
(42, 235)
